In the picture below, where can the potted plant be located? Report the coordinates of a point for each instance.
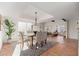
(9, 28)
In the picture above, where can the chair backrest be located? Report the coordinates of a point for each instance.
(21, 34)
(21, 39)
(41, 36)
(44, 36)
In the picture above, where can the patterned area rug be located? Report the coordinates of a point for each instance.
(38, 51)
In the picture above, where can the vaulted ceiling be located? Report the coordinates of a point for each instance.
(60, 9)
(46, 10)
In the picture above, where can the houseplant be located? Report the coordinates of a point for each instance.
(9, 28)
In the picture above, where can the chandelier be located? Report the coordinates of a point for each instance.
(35, 18)
(35, 26)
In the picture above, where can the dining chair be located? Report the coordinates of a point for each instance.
(21, 39)
(41, 38)
(44, 37)
(38, 39)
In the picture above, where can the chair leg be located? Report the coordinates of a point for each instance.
(36, 45)
(42, 43)
(45, 41)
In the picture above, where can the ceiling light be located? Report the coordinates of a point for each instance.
(53, 21)
(64, 19)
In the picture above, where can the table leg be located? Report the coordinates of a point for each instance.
(32, 41)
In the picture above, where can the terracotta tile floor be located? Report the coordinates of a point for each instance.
(68, 48)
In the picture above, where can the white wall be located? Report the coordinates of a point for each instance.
(57, 25)
(50, 26)
(73, 29)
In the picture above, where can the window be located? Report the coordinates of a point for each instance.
(24, 26)
(28, 26)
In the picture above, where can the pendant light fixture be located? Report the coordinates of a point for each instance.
(35, 26)
(35, 18)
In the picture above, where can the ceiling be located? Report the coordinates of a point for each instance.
(46, 10)
(60, 10)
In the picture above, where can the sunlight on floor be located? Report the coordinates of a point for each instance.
(60, 39)
(25, 46)
(18, 50)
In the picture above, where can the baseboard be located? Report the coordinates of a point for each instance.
(72, 38)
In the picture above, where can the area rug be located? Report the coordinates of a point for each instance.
(37, 52)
